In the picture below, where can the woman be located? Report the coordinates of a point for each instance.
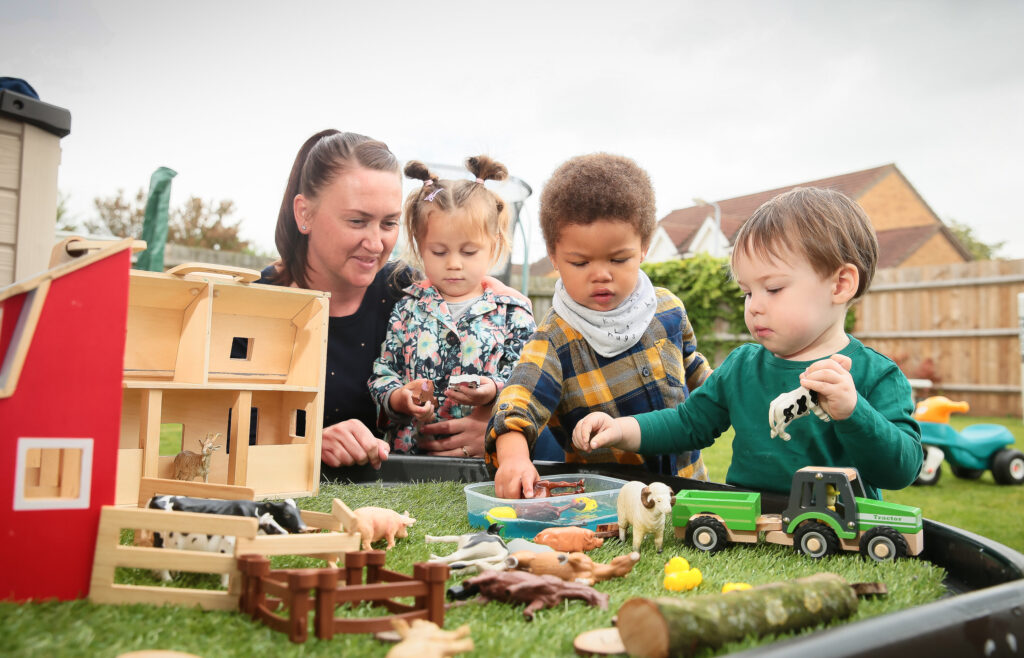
(336, 229)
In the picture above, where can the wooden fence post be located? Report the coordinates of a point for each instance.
(435, 575)
(354, 563)
(326, 586)
(300, 581)
(374, 563)
(253, 568)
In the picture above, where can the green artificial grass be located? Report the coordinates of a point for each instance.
(81, 629)
(979, 506)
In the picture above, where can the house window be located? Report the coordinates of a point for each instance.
(53, 474)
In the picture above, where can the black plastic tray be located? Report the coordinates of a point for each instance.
(982, 616)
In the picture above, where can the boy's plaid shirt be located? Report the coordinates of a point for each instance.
(560, 379)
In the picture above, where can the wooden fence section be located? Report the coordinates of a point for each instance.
(956, 325)
(282, 599)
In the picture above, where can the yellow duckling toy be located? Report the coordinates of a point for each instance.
(680, 577)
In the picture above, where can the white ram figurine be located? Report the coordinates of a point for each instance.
(644, 506)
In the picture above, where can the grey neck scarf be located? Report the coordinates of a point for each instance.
(612, 332)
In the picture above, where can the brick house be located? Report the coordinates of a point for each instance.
(910, 234)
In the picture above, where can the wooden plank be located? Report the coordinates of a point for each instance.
(71, 472)
(304, 544)
(238, 459)
(278, 468)
(126, 594)
(154, 519)
(193, 358)
(143, 557)
(149, 487)
(37, 201)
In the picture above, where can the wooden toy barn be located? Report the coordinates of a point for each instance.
(62, 337)
(208, 351)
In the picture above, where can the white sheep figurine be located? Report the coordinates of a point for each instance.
(187, 464)
(644, 506)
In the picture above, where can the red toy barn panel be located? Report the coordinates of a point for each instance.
(59, 421)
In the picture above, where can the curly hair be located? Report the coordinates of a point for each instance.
(827, 227)
(486, 213)
(597, 186)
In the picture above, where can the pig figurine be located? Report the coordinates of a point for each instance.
(376, 523)
(568, 538)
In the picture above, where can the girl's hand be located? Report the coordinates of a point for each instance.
(403, 401)
(596, 430)
(350, 442)
(831, 378)
(483, 393)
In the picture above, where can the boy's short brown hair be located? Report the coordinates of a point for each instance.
(597, 186)
(824, 225)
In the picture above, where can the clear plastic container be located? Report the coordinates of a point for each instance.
(526, 517)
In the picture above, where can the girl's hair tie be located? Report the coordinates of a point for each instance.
(480, 180)
(430, 197)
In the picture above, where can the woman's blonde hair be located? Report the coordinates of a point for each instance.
(486, 212)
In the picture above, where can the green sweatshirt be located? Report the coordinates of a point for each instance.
(881, 438)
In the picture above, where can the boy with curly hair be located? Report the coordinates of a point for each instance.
(801, 259)
(611, 342)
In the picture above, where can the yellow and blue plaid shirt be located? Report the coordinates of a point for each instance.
(559, 379)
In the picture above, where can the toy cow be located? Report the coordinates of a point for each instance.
(792, 405)
(577, 567)
(644, 506)
(376, 523)
(478, 550)
(275, 518)
(569, 538)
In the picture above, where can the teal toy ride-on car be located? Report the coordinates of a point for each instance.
(970, 452)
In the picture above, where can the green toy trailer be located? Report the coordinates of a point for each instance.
(827, 511)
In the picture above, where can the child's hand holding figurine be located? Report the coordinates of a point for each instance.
(475, 394)
(405, 400)
(831, 379)
(599, 430)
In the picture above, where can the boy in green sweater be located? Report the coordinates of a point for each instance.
(801, 259)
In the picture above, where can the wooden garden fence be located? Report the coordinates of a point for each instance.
(956, 325)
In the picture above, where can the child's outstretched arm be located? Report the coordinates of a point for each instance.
(831, 379)
(517, 474)
(599, 430)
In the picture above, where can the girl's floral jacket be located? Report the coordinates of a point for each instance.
(424, 342)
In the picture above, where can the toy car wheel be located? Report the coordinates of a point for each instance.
(1008, 467)
(707, 534)
(966, 473)
(883, 544)
(931, 467)
(815, 540)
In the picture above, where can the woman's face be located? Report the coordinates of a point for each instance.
(352, 227)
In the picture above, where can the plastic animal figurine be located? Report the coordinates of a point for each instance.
(577, 567)
(478, 550)
(572, 538)
(544, 488)
(644, 506)
(538, 592)
(424, 639)
(792, 405)
(188, 465)
(376, 523)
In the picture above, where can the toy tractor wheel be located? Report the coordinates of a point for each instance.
(815, 540)
(883, 544)
(1008, 467)
(707, 534)
(966, 473)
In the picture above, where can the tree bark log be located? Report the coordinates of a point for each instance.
(680, 627)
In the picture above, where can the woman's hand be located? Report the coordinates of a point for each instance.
(482, 394)
(350, 442)
(466, 435)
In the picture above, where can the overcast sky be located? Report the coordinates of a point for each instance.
(714, 99)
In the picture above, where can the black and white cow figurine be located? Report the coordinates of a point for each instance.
(474, 551)
(275, 518)
(792, 405)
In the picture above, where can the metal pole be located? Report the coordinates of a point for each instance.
(1020, 337)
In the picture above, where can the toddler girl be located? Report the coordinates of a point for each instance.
(452, 324)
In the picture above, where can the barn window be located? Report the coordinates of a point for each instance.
(53, 473)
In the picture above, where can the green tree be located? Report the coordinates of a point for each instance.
(196, 223)
(979, 250)
(65, 222)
